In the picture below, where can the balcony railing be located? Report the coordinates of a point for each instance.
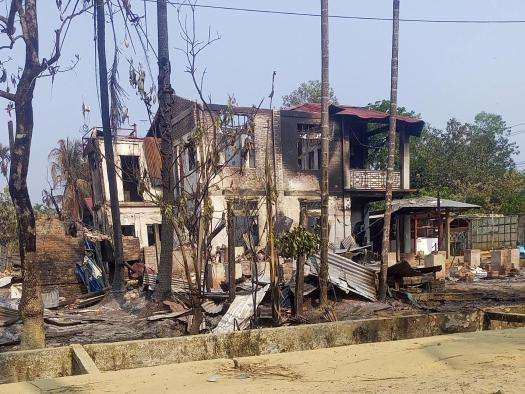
(371, 180)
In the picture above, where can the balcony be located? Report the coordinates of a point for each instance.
(371, 180)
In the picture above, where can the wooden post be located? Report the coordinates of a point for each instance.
(325, 145)
(299, 273)
(231, 250)
(391, 149)
(447, 233)
(398, 238)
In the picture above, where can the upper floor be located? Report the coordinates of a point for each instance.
(291, 141)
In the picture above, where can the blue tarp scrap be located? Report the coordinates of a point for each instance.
(90, 274)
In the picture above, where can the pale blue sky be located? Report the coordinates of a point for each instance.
(445, 70)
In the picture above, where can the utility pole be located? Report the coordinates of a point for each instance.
(391, 151)
(325, 98)
(165, 93)
(118, 276)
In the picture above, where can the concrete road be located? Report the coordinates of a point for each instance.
(481, 362)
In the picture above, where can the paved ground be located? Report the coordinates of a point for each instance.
(484, 362)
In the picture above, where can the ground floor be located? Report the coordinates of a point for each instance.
(141, 221)
(250, 217)
(478, 362)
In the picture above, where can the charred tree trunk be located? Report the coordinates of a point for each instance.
(31, 306)
(325, 97)
(165, 93)
(118, 276)
(299, 274)
(231, 250)
(391, 152)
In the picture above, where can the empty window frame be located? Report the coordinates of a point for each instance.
(128, 230)
(241, 151)
(192, 156)
(308, 146)
(130, 178)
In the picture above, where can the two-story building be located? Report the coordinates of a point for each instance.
(291, 138)
(137, 194)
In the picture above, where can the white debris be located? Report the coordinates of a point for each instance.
(238, 315)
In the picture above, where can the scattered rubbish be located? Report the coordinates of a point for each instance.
(90, 274)
(213, 378)
(51, 299)
(16, 291)
(172, 315)
(8, 314)
(211, 307)
(348, 275)
(4, 281)
(238, 315)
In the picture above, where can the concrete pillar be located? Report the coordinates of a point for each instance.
(404, 159)
(448, 220)
(407, 238)
(366, 221)
(346, 155)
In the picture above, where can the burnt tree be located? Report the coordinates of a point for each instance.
(23, 15)
(165, 92)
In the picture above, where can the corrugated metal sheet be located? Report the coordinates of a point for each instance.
(348, 275)
(429, 202)
(363, 114)
(152, 153)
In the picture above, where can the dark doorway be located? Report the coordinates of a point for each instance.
(130, 178)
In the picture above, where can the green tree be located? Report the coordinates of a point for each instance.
(307, 92)
(378, 151)
(471, 162)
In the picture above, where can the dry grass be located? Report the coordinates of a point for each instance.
(259, 370)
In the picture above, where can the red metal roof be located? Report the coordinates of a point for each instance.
(359, 112)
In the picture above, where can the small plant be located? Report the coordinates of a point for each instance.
(298, 242)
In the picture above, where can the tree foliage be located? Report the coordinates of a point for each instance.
(307, 92)
(471, 162)
(378, 148)
(298, 242)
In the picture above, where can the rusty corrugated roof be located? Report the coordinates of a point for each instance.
(153, 160)
(416, 124)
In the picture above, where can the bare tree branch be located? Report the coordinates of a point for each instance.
(7, 95)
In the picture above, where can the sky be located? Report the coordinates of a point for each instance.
(445, 70)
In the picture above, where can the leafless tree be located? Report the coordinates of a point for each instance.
(21, 25)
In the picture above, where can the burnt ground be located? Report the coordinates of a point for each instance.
(110, 321)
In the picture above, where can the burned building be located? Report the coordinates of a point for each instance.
(137, 193)
(290, 140)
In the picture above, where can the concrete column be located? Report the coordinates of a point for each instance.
(404, 158)
(346, 155)
(448, 220)
(366, 221)
(407, 239)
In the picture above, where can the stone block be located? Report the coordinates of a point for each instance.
(472, 258)
(392, 258)
(515, 258)
(437, 259)
(499, 258)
